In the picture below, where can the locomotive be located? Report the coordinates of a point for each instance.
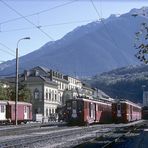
(84, 111)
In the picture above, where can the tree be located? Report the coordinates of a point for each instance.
(24, 93)
(8, 93)
(3, 93)
(141, 41)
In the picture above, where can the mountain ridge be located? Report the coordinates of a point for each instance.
(123, 83)
(87, 50)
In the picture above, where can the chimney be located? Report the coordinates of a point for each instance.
(36, 73)
(26, 74)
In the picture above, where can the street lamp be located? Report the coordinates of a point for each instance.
(16, 83)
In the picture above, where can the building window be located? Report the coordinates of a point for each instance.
(46, 95)
(60, 99)
(49, 96)
(36, 94)
(53, 111)
(39, 110)
(46, 111)
(49, 111)
(52, 95)
(55, 97)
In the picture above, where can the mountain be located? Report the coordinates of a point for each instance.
(93, 48)
(125, 82)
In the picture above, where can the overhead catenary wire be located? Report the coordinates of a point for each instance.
(49, 36)
(7, 47)
(48, 25)
(37, 13)
(107, 30)
(7, 52)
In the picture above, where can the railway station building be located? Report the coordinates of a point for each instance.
(47, 87)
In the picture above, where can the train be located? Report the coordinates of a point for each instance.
(7, 112)
(84, 111)
(124, 111)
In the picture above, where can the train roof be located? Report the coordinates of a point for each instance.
(128, 102)
(93, 100)
(13, 102)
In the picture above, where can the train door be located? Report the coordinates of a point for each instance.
(2, 112)
(8, 111)
(96, 110)
(131, 112)
(25, 112)
(74, 109)
(118, 110)
(28, 112)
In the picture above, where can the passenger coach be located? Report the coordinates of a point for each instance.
(7, 112)
(124, 111)
(84, 111)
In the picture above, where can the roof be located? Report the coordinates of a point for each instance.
(40, 78)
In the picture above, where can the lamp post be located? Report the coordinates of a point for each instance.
(16, 83)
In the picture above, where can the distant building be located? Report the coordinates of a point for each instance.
(145, 98)
(74, 85)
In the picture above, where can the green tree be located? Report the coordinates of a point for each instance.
(3, 93)
(141, 43)
(24, 93)
(8, 93)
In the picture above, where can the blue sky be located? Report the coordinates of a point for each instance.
(54, 18)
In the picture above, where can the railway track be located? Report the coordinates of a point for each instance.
(53, 137)
(21, 129)
(56, 137)
(119, 137)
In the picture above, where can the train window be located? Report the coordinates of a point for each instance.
(90, 109)
(96, 107)
(118, 107)
(68, 105)
(25, 110)
(80, 105)
(2, 109)
(74, 104)
(99, 107)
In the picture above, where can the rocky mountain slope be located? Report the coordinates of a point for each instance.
(87, 50)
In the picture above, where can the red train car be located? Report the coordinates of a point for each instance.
(124, 111)
(7, 112)
(86, 111)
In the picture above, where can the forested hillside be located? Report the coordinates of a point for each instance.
(126, 82)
